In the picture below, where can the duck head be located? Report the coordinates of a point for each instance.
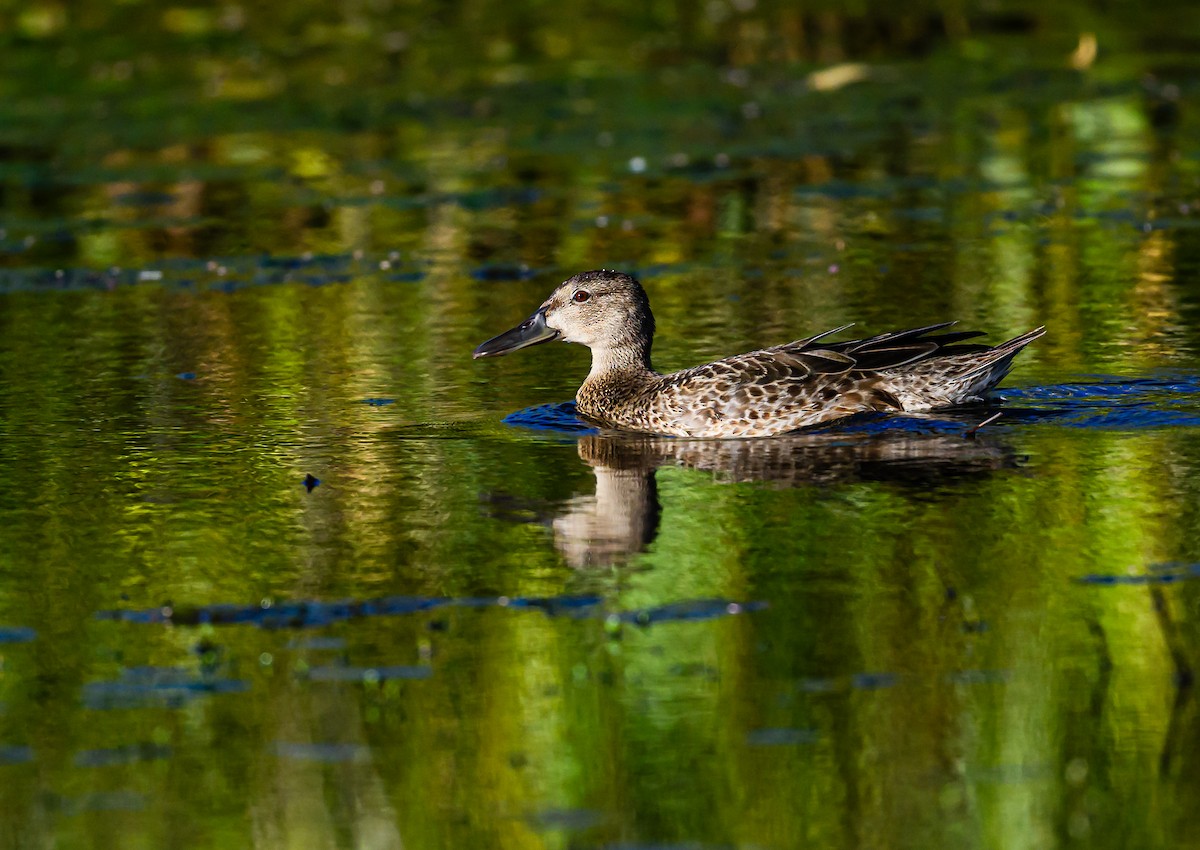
(603, 310)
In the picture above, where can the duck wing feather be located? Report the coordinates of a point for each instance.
(888, 350)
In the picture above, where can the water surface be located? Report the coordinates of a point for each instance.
(283, 567)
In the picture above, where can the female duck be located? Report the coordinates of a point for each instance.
(760, 393)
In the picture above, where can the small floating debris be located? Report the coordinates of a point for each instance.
(378, 402)
(186, 376)
(311, 482)
(838, 76)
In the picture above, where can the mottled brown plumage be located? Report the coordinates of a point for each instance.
(760, 393)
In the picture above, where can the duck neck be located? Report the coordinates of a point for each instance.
(621, 362)
(618, 374)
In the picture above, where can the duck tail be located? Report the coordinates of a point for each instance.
(987, 368)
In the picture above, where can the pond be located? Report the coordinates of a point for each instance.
(282, 566)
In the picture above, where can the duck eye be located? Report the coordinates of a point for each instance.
(581, 296)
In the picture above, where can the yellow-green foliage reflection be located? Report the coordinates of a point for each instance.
(249, 242)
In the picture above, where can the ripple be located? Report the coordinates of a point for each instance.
(1127, 404)
(16, 634)
(312, 614)
(781, 737)
(226, 274)
(1159, 574)
(326, 753)
(502, 272)
(339, 673)
(16, 754)
(566, 819)
(155, 687)
(551, 417)
(96, 801)
(128, 754)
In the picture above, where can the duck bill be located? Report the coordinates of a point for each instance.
(532, 331)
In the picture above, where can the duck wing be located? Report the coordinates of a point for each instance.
(765, 392)
(889, 350)
(810, 381)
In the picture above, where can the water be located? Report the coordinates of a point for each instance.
(281, 566)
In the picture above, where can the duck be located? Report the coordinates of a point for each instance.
(772, 391)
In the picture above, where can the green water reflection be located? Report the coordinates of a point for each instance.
(252, 242)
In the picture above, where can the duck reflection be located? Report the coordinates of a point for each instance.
(621, 518)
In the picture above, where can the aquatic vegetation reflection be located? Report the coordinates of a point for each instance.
(276, 572)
